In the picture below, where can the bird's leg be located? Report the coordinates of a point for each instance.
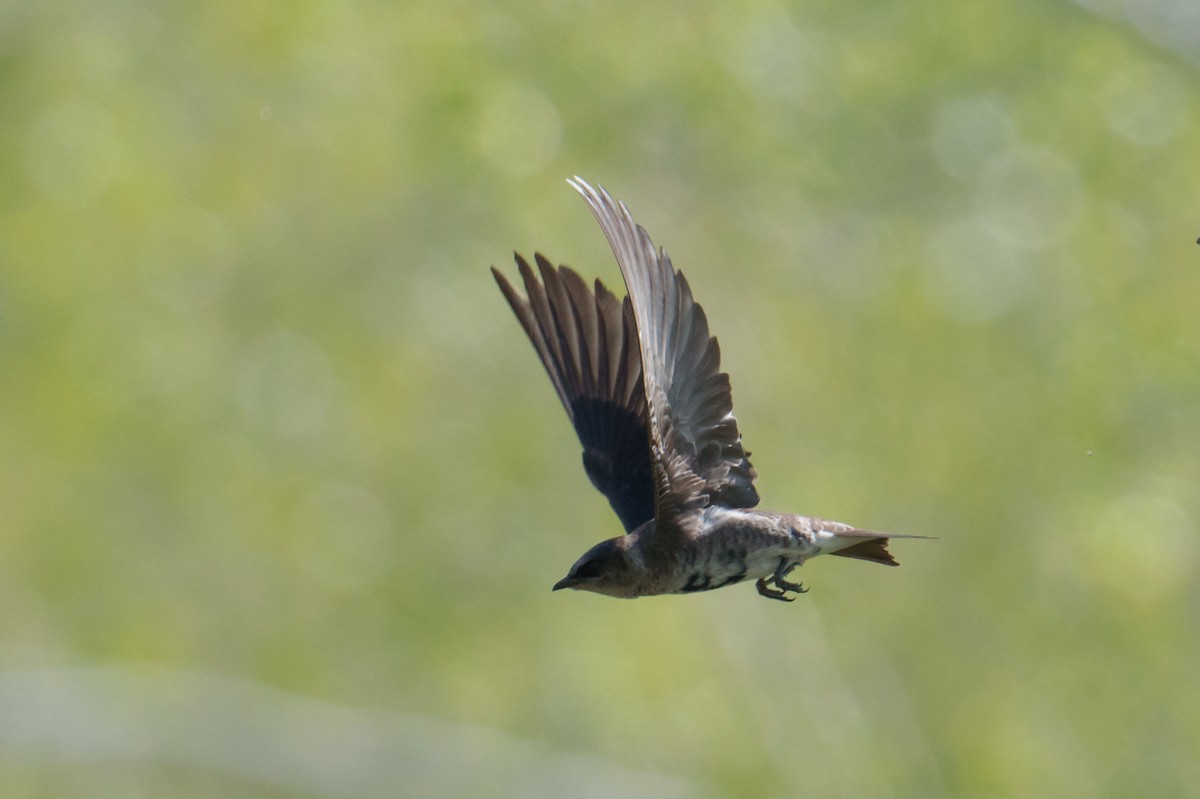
(780, 578)
(782, 584)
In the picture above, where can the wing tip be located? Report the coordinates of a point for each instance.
(582, 186)
(501, 279)
(597, 196)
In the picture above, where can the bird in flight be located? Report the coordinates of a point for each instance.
(641, 381)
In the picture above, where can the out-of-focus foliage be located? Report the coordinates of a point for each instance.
(283, 488)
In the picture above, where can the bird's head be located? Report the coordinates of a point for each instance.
(606, 569)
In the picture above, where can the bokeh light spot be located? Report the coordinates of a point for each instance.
(972, 275)
(72, 152)
(344, 536)
(1146, 103)
(520, 130)
(1142, 546)
(968, 133)
(284, 384)
(772, 55)
(1029, 197)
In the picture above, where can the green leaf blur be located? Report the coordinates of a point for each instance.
(284, 489)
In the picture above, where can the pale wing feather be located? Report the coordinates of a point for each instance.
(697, 455)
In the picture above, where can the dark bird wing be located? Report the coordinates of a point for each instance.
(696, 452)
(587, 341)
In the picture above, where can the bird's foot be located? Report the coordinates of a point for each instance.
(772, 593)
(790, 586)
(782, 584)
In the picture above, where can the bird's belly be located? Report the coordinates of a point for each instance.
(736, 564)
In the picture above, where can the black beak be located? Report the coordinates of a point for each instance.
(566, 582)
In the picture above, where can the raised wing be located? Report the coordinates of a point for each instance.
(696, 450)
(588, 343)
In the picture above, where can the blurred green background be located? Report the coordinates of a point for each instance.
(284, 488)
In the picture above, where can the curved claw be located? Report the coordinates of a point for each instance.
(790, 586)
(782, 584)
(780, 578)
(773, 593)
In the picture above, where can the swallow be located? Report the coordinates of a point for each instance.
(640, 379)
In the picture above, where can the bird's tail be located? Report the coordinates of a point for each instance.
(872, 549)
(862, 544)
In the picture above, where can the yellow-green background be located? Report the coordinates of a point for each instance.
(283, 488)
